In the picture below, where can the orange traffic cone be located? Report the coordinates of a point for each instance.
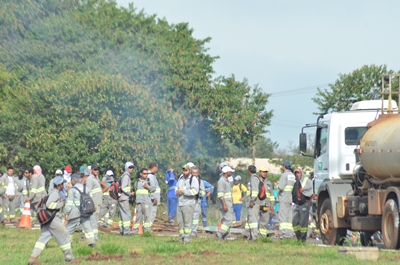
(134, 221)
(26, 216)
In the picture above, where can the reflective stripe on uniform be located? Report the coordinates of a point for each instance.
(40, 245)
(96, 190)
(288, 188)
(142, 191)
(66, 246)
(288, 226)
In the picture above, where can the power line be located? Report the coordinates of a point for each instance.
(297, 91)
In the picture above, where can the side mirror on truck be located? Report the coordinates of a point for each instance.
(303, 142)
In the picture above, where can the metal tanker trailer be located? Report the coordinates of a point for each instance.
(380, 147)
(357, 170)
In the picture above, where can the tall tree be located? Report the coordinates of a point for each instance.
(361, 84)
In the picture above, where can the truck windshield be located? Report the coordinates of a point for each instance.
(352, 135)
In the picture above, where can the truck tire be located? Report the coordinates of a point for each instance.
(329, 234)
(390, 230)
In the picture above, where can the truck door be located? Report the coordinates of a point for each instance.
(321, 162)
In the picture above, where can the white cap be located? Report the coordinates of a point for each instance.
(58, 172)
(109, 173)
(226, 169)
(190, 164)
(238, 178)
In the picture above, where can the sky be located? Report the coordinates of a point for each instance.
(289, 48)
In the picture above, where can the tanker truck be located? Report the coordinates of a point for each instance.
(357, 170)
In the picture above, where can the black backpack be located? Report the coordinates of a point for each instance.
(87, 205)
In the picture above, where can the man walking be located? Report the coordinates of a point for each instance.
(226, 203)
(72, 210)
(186, 191)
(55, 228)
(285, 186)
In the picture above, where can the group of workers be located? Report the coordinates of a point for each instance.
(187, 200)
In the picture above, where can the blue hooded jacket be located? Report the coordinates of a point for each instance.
(171, 181)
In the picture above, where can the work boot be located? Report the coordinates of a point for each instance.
(33, 261)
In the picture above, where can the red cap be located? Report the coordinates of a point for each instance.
(297, 170)
(68, 169)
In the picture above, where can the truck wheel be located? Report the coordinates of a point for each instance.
(390, 225)
(329, 234)
(365, 238)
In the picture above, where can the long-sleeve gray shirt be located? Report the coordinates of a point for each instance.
(94, 189)
(142, 194)
(74, 201)
(285, 186)
(155, 187)
(225, 191)
(125, 186)
(189, 190)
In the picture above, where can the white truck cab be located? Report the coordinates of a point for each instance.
(337, 137)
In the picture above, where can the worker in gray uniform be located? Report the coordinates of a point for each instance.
(226, 202)
(54, 228)
(251, 228)
(285, 214)
(42, 180)
(143, 202)
(186, 193)
(197, 208)
(35, 191)
(302, 193)
(156, 191)
(93, 188)
(20, 180)
(109, 205)
(124, 213)
(72, 211)
(9, 198)
(266, 206)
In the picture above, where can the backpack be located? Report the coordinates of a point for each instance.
(297, 193)
(115, 190)
(262, 191)
(86, 207)
(44, 215)
(199, 195)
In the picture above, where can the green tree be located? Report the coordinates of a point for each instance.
(361, 84)
(106, 84)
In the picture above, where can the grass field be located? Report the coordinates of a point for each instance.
(16, 246)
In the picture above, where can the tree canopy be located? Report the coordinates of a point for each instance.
(361, 84)
(87, 81)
